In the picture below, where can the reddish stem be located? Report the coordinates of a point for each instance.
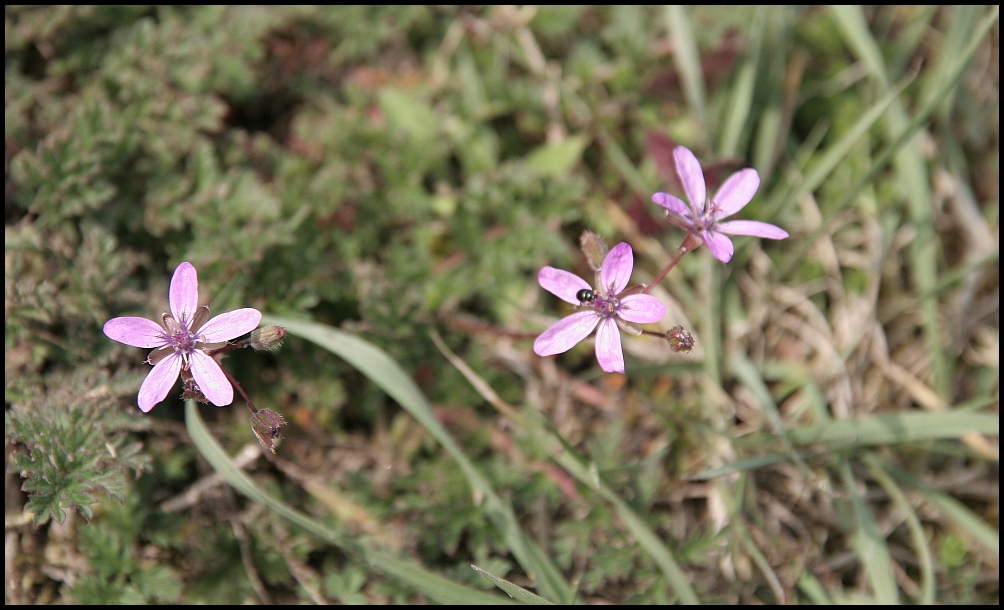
(689, 243)
(229, 347)
(240, 390)
(478, 327)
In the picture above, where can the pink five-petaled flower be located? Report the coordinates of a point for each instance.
(702, 218)
(601, 306)
(180, 342)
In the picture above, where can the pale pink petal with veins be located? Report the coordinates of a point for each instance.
(617, 267)
(230, 325)
(134, 331)
(184, 294)
(214, 384)
(608, 347)
(737, 190)
(159, 382)
(562, 284)
(565, 333)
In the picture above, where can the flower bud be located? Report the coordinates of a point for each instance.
(267, 338)
(680, 340)
(594, 248)
(265, 424)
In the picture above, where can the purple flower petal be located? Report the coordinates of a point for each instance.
(616, 271)
(137, 332)
(672, 203)
(159, 382)
(721, 246)
(752, 227)
(565, 333)
(641, 308)
(562, 284)
(608, 347)
(692, 177)
(736, 192)
(214, 384)
(184, 295)
(230, 325)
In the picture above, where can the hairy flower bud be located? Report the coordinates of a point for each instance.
(265, 424)
(594, 248)
(680, 340)
(267, 338)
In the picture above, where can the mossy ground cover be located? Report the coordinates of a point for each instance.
(393, 180)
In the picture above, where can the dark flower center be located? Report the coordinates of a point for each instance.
(605, 305)
(179, 336)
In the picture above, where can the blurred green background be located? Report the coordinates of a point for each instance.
(397, 171)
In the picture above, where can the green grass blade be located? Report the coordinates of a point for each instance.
(869, 543)
(688, 63)
(435, 587)
(896, 428)
(742, 93)
(963, 22)
(813, 589)
(930, 104)
(917, 536)
(954, 511)
(741, 465)
(912, 171)
(551, 443)
(514, 591)
(385, 372)
(874, 430)
(744, 370)
(851, 20)
(711, 322)
(647, 538)
(964, 518)
(623, 164)
(835, 154)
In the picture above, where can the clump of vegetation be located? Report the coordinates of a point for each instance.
(76, 447)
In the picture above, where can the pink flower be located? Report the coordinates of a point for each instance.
(703, 218)
(181, 342)
(601, 306)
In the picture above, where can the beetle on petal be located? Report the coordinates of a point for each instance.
(603, 307)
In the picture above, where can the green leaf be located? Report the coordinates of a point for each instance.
(405, 112)
(557, 159)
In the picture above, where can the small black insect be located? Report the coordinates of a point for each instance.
(585, 295)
